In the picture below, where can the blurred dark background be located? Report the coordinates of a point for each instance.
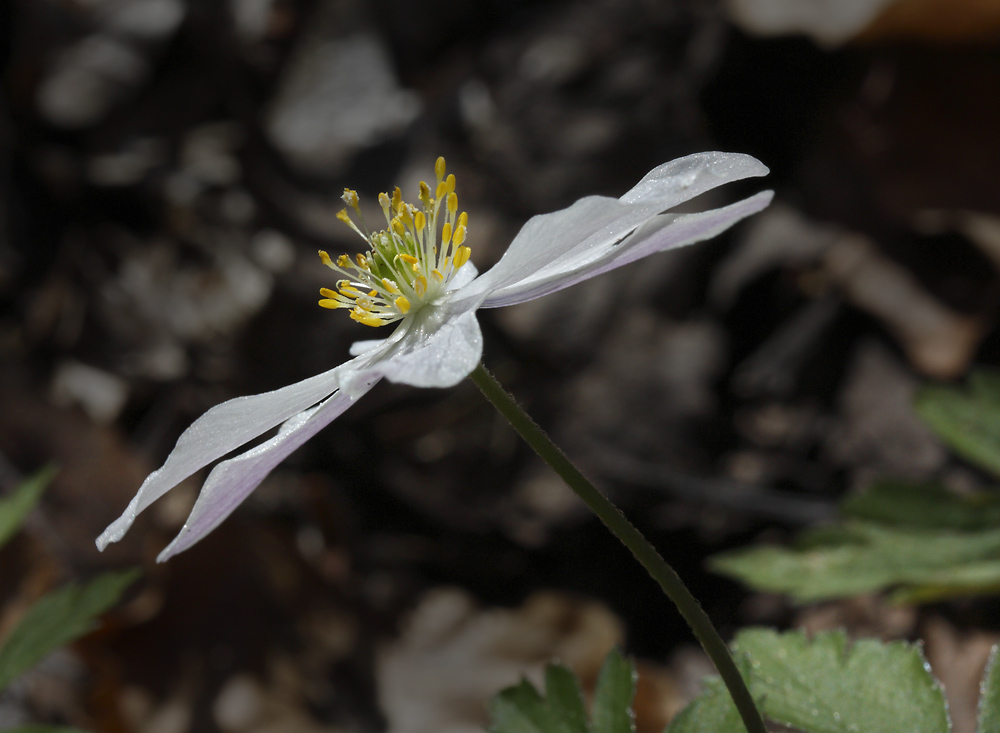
(169, 170)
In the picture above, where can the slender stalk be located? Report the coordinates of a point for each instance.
(640, 547)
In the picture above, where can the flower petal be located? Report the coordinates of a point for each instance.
(220, 430)
(596, 223)
(232, 481)
(666, 231)
(440, 347)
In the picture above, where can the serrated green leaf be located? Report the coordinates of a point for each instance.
(57, 619)
(968, 420)
(612, 711)
(565, 697)
(521, 709)
(863, 557)
(827, 685)
(989, 697)
(713, 711)
(924, 506)
(17, 506)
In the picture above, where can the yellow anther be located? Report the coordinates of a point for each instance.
(402, 304)
(350, 198)
(439, 168)
(343, 261)
(445, 234)
(362, 261)
(405, 214)
(385, 202)
(363, 316)
(450, 182)
(420, 221)
(452, 203)
(409, 259)
(441, 190)
(397, 198)
(372, 293)
(344, 216)
(459, 236)
(350, 291)
(327, 293)
(325, 258)
(398, 228)
(425, 194)
(331, 304)
(463, 219)
(461, 257)
(437, 275)
(420, 286)
(390, 286)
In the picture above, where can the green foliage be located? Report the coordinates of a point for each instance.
(521, 709)
(713, 710)
(825, 685)
(989, 700)
(968, 420)
(922, 540)
(17, 506)
(57, 619)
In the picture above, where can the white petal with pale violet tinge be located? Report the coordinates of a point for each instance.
(222, 429)
(596, 223)
(234, 480)
(666, 231)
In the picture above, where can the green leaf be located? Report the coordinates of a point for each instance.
(565, 696)
(861, 557)
(968, 420)
(925, 506)
(989, 697)
(828, 686)
(57, 619)
(612, 711)
(521, 709)
(17, 506)
(713, 711)
(825, 685)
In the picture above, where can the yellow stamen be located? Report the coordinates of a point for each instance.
(362, 316)
(437, 275)
(445, 234)
(331, 304)
(459, 235)
(420, 221)
(362, 261)
(344, 261)
(452, 203)
(390, 286)
(463, 219)
(420, 286)
(409, 259)
(450, 182)
(461, 256)
(325, 258)
(350, 198)
(327, 293)
(402, 304)
(439, 168)
(344, 216)
(397, 198)
(425, 195)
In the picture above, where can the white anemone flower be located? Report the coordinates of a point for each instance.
(417, 272)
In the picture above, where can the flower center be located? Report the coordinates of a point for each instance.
(407, 265)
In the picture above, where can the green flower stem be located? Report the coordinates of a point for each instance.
(640, 547)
